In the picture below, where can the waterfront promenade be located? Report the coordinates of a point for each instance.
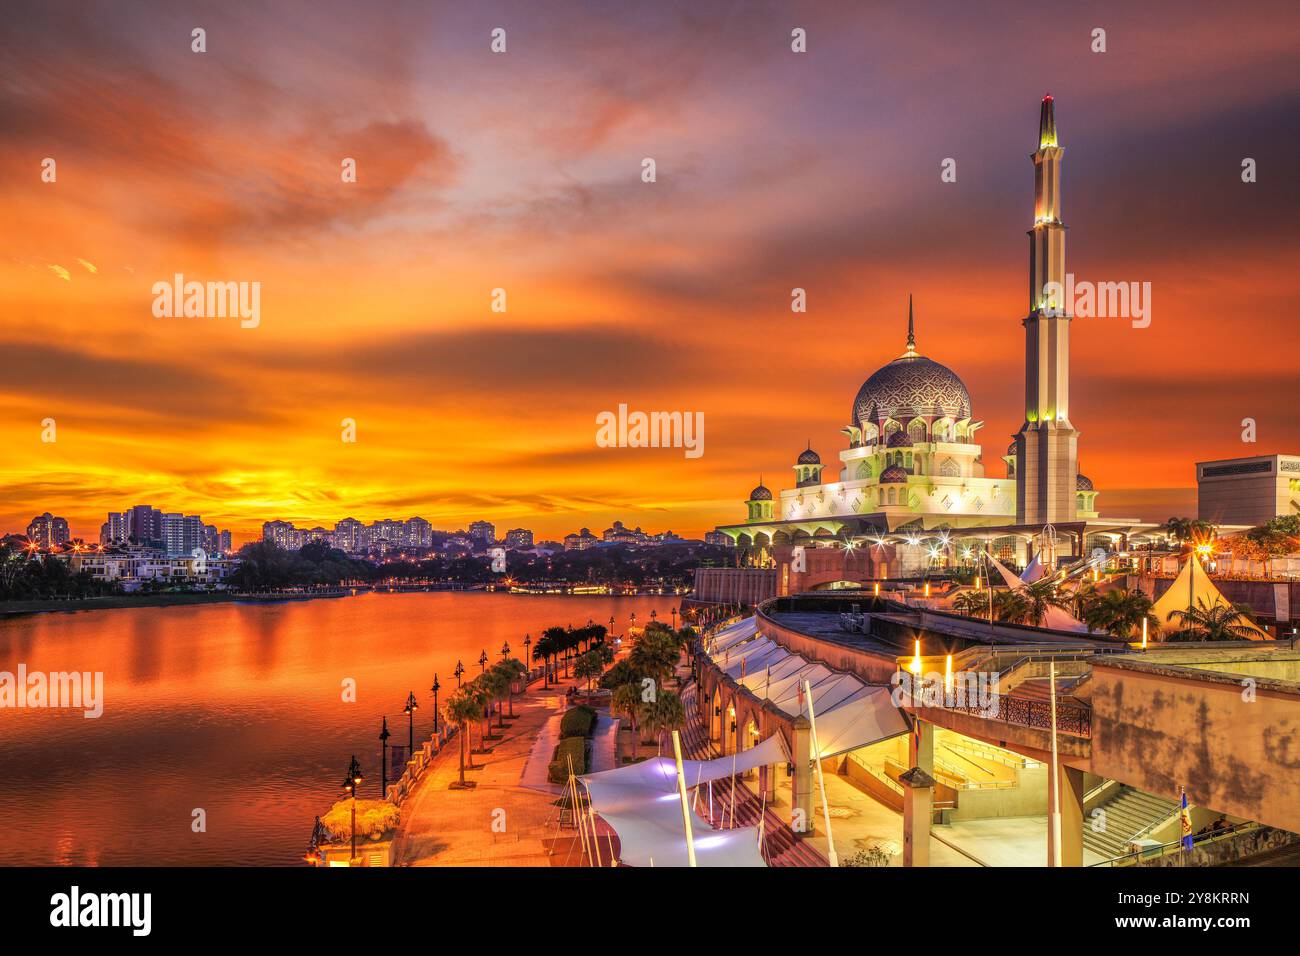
(509, 817)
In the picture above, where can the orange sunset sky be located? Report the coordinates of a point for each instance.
(522, 171)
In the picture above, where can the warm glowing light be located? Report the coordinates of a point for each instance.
(916, 658)
(1144, 634)
(927, 588)
(875, 589)
(947, 675)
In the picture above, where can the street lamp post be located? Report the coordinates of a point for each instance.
(383, 760)
(482, 662)
(674, 617)
(505, 651)
(435, 688)
(411, 707)
(528, 651)
(460, 669)
(350, 784)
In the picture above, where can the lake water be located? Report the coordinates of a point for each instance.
(236, 709)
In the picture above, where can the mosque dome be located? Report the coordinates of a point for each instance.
(911, 385)
(1011, 449)
(899, 439)
(809, 457)
(893, 475)
(1082, 483)
(760, 494)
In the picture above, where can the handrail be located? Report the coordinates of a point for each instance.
(1164, 849)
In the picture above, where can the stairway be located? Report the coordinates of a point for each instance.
(780, 845)
(1130, 814)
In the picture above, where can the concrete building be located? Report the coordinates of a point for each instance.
(1134, 727)
(519, 539)
(581, 541)
(482, 533)
(1248, 491)
(48, 531)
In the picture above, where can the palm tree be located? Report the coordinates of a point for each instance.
(1011, 606)
(627, 700)
(1119, 613)
(1212, 622)
(544, 648)
(972, 603)
(461, 709)
(1039, 598)
(513, 669)
(663, 712)
(497, 686)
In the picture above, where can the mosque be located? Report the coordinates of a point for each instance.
(911, 487)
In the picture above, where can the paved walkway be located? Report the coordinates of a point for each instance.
(502, 821)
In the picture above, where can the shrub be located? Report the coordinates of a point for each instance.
(578, 721)
(574, 748)
(375, 819)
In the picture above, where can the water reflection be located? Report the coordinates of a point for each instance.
(235, 709)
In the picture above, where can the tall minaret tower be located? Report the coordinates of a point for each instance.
(1047, 444)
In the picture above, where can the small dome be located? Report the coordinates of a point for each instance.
(1082, 483)
(899, 439)
(809, 457)
(760, 494)
(1011, 449)
(893, 474)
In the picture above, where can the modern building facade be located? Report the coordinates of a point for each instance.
(1248, 491)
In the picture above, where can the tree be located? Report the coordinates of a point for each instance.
(461, 708)
(592, 664)
(1212, 622)
(661, 713)
(972, 603)
(1039, 598)
(1119, 613)
(627, 700)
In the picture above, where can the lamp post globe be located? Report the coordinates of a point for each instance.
(411, 707)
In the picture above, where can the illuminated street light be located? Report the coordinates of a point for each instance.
(350, 784)
(435, 688)
(505, 650)
(482, 661)
(460, 669)
(383, 760)
(411, 707)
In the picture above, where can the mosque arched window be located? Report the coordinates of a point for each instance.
(916, 431)
(893, 496)
(949, 469)
(907, 460)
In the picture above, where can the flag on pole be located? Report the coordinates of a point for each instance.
(1186, 817)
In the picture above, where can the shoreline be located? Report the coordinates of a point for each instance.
(114, 602)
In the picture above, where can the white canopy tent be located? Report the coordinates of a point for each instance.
(641, 803)
(1056, 618)
(850, 713)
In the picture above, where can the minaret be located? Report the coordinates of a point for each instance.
(1047, 444)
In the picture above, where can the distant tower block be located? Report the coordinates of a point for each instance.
(1047, 444)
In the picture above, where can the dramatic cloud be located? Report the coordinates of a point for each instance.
(522, 172)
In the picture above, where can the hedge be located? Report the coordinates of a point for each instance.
(570, 747)
(578, 721)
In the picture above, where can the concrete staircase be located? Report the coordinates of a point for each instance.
(1130, 814)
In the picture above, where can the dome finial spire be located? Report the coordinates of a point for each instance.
(911, 330)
